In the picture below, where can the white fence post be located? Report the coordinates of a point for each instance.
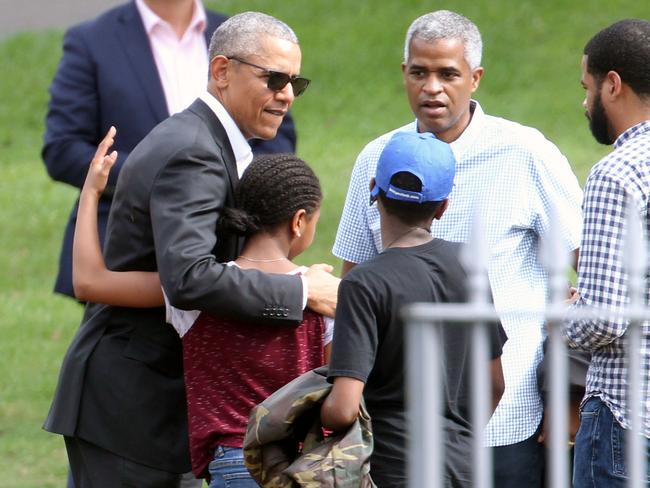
(424, 382)
(474, 258)
(635, 264)
(556, 261)
(424, 404)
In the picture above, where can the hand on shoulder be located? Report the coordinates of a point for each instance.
(322, 288)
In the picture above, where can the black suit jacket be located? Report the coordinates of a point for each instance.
(108, 76)
(121, 382)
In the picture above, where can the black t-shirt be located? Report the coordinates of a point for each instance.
(369, 345)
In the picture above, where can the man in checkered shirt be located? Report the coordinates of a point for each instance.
(518, 180)
(616, 77)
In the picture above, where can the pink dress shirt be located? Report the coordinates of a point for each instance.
(182, 63)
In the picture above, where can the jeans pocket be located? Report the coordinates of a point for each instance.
(619, 452)
(586, 438)
(227, 469)
(589, 419)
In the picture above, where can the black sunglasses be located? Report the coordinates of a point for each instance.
(278, 80)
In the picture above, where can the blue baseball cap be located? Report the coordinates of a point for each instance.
(424, 156)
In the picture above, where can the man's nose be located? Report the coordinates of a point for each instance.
(433, 84)
(286, 94)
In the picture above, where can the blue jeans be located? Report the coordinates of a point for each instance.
(227, 469)
(600, 450)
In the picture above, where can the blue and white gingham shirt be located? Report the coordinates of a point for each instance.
(620, 178)
(518, 180)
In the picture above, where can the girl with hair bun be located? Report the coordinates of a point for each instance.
(229, 366)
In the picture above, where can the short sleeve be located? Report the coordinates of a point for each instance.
(358, 237)
(354, 241)
(498, 338)
(558, 195)
(354, 347)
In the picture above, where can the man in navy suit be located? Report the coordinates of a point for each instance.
(131, 67)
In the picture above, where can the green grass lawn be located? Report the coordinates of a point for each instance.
(352, 50)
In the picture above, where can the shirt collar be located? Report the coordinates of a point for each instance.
(471, 132)
(240, 147)
(150, 19)
(635, 130)
(468, 137)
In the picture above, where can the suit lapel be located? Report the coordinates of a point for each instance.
(220, 137)
(137, 48)
(227, 156)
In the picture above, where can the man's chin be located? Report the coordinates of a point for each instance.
(435, 126)
(266, 133)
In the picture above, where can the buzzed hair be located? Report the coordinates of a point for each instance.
(444, 24)
(242, 34)
(623, 47)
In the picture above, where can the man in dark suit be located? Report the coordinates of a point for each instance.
(113, 73)
(120, 399)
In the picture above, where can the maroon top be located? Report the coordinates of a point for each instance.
(232, 366)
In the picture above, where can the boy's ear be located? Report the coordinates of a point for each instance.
(372, 183)
(441, 209)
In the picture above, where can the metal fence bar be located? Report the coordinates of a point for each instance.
(557, 409)
(474, 258)
(556, 261)
(481, 406)
(460, 312)
(425, 455)
(635, 441)
(424, 384)
(635, 264)
(423, 403)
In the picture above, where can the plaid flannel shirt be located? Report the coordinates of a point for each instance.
(620, 178)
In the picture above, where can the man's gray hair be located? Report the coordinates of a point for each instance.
(444, 24)
(241, 34)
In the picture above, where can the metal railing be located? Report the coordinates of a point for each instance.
(424, 375)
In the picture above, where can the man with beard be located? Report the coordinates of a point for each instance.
(521, 184)
(616, 78)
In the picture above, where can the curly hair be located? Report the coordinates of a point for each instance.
(623, 47)
(272, 189)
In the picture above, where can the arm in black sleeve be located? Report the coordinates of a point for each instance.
(186, 200)
(356, 337)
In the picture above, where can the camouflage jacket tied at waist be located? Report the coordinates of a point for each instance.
(285, 447)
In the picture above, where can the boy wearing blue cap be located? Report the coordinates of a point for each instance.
(414, 177)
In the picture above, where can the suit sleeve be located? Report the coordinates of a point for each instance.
(72, 123)
(186, 200)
